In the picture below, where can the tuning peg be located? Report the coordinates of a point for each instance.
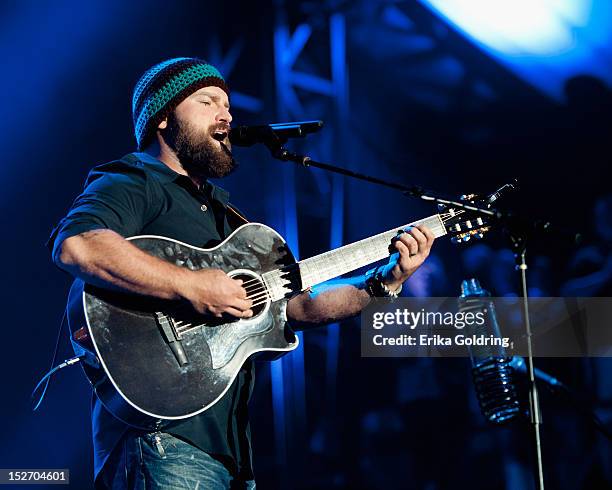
(461, 238)
(482, 231)
(466, 236)
(478, 234)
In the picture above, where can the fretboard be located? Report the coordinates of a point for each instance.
(334, 263)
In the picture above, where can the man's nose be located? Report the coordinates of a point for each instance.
(224, 115)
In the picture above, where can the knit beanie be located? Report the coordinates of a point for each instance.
(163, 87)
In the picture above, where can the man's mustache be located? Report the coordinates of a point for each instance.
(223, 126)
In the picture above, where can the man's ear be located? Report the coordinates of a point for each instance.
(163, 124)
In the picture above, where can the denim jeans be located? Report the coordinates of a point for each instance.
(161, 461)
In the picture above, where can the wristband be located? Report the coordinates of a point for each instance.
(375, 286)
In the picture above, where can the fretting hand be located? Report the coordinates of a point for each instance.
(413, 247)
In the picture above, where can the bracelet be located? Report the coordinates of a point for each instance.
(375, 286)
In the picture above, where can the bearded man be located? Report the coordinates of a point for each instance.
(182, 119)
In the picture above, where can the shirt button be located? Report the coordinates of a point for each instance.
(204, 208)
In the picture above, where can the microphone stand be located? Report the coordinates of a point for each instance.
(518, 228)
(518, 239)
(275, 145)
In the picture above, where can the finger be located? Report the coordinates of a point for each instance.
(238, 289)
(218, 314)
(428, 233)
(403, 249)
(238, 313)
(418, 235)
(241, 304)
(410, 242)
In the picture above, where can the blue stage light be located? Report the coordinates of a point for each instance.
(518, 27)
(545, 42)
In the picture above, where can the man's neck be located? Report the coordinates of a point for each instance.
(165, 155)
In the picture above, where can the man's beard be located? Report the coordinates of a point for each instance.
(198, 154)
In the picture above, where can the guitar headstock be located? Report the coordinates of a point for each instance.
(462, 224)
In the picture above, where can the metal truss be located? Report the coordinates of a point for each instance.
(304, 92)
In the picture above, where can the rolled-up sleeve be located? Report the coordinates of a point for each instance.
(115, 197)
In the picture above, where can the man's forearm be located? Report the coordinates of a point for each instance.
(329, 302)
(104, 258)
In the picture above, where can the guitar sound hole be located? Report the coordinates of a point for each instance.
(256, 290)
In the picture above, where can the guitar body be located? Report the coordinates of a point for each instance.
(131, 341)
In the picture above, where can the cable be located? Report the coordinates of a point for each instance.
(52, 370)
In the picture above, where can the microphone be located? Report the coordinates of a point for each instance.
(272, 133)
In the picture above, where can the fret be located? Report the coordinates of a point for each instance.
(305, 271)
(334, 263)
(272, 281)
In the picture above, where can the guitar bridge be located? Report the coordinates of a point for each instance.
(166, 325)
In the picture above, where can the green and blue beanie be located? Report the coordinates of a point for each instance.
(163, 87)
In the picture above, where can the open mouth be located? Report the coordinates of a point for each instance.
(220, 135)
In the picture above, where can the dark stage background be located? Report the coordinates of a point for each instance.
(417, 92)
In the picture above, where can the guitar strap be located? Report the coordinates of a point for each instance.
(234, 217)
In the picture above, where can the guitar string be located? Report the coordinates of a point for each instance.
(331, 251)
(330, 267)
(261, 298)
(262, 295)
(444, 217)
(254, 288)
(188, 326)
(256, 285)
(257, 280)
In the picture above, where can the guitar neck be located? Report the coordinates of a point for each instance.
(334, 263)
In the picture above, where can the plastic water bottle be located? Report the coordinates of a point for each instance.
(494, 377)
